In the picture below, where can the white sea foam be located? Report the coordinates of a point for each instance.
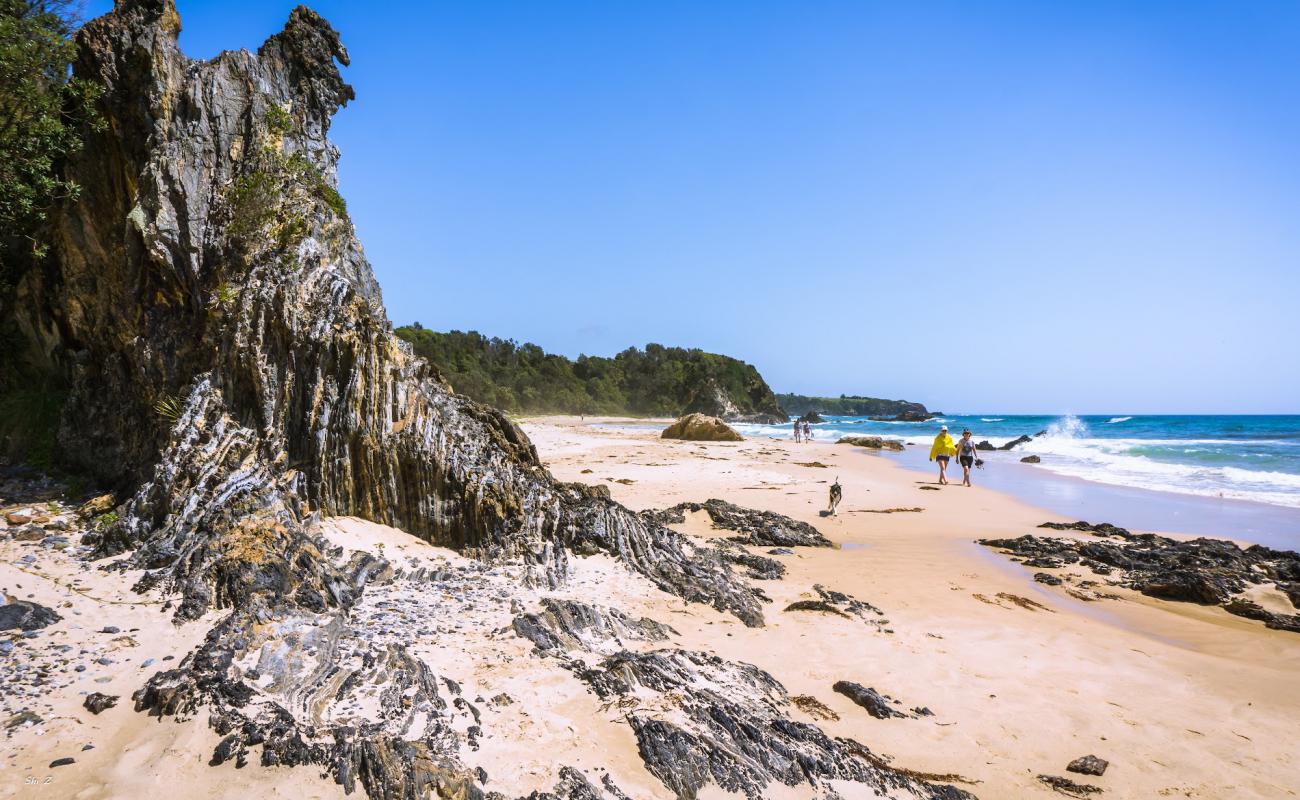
(1114, 420)
(992, 419)
(1066, 451)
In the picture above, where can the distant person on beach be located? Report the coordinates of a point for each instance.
(966, 455)
(807, 431)
(797, 428)
(943, 449)
(836, 495)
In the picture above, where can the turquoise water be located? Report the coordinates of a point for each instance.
(1254, 458)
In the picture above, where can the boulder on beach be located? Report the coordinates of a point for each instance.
(701, 428)
(871, 442)
(1088, 765)
(1030, 460)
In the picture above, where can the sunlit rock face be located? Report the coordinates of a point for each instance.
(234, 374)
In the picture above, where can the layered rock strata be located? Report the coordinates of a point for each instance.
(234, 376)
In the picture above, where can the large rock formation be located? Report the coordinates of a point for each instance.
(234, 375)
(701, 428)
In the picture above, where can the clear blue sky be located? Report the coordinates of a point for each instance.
(999, 207)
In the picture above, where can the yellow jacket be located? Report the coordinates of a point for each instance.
(943, 446)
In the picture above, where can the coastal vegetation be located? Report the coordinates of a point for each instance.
(44, 112)
(851, 406)
(655, 381)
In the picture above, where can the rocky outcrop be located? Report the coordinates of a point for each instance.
(1088, 765)
(1202, 571)
(234, 377)
(24, 616)
(763, 528)
(1030, 460)
(875, 703)
(872, 442)
(701, 428)
(753, 401)
(738, 735)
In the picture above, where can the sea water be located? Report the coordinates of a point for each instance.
(1249, 458)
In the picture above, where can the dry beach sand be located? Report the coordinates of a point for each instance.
(1021, 678)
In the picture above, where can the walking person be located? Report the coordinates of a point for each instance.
(797, 429)
(943, 449)
(807, 431)
(966, 455)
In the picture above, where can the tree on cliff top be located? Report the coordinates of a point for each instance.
(41, 107)
(42, 110)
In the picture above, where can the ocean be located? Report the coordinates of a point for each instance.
(1250, 458)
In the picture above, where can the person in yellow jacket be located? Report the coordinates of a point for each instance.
(943, 449)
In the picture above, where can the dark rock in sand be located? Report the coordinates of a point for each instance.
(761, 528)
(1100, 529)
(1050, 580)
(26, 616)
(738, 735)
(1068, 787)
(1088, 765)
(875, 704)
(984, 444)
(62, 762)
(701, 428)
(871, 442)
(1030, 460)
(1015, 442)
(816, 605)
(1202, 571)
(96, 702)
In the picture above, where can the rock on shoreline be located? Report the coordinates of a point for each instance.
(701, 428)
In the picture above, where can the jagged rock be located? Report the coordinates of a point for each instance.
(699, 719)
(871, 442)
(760, 528)
(816, 605)
(701, 428)
(875, 704)
(234, 377)
(96, 506)
(1050, 580)
(1015, 442)
(1088, 765)
(1068, 787)
(1030, 460)
(1202, 571)
(96, 702)
(984, 444)
(26, 616)
(1100, 529)
(572, 625)
(812, 418)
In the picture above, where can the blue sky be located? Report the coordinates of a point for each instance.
(1001, 207)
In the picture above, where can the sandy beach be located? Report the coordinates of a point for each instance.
(1183, 700)
(1000, 678)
